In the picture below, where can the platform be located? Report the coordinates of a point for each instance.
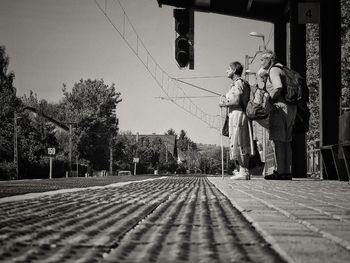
(174, 219)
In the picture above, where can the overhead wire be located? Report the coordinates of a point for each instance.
(202, 77)
(162, 76)
(270, 35)
(197, 87)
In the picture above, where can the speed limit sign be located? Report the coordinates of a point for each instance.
(51, 151)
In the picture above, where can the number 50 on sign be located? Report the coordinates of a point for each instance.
(51, 151)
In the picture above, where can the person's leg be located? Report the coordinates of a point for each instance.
(243, 173)
(245, 165)
(288, 159)
(280, 151)
(283, 155)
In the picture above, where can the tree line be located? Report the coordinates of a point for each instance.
(90, 125)
(83, 128)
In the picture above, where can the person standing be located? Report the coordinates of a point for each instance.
(240, 130)
(281, 118)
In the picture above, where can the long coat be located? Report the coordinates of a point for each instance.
(240, 128)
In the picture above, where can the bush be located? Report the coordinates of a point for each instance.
(181, 169)
(7, 171)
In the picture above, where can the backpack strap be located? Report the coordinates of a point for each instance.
(244, 83)
(276, 66)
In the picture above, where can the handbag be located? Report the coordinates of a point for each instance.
(225, 128)
(259, 104)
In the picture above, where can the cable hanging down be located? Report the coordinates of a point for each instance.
(169, 86)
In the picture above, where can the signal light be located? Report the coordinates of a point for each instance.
(184, 28)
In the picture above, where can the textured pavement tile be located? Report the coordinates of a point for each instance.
(304, 217)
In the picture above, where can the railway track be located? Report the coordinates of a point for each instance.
(174, 219)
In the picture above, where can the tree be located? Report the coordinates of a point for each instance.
(8, 105)
(90, 105)
(184, 143)
(210, 160)
(35, 135)
(170, 132)
(188, 148)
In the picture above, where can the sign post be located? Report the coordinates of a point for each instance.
(51, 152)
(135, 160)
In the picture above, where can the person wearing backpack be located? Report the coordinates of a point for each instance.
(281, 118)
(240, 130)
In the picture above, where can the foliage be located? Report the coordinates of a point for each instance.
(8, 104)
(7, 171)
(170, 132)
(345, 59)
(184, 143)
(312, 76)
(35, 135)
(89, 106)
(210, 159)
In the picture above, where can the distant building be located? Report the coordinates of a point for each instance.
(168, 140)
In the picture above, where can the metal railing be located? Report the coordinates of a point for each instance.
(313, 159)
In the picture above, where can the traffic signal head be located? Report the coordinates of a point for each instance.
(182, 55)
(184, 25)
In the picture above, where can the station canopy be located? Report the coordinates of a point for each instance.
(264, 10)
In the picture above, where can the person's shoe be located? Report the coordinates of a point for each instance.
(274, 176)
(287, 176)
(241, 175)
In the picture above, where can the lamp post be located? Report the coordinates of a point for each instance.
(111, 141)
(249, 72)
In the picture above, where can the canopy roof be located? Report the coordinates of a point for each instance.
(265, 10)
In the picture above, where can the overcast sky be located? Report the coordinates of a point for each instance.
(53, 42)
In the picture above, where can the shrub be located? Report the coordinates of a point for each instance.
(7, 171)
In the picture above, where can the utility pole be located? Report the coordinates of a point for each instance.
(70, 149)
(166, 153)
(111, 156)
(15, 145)
(77, 162)
(188, 156)
(135, 163)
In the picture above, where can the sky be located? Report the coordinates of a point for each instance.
(52, 42)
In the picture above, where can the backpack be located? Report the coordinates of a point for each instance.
(259, 104)
(297, 92)
(293, 92)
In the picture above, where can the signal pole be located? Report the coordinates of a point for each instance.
(111, 156)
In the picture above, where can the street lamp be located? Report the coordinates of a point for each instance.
(256, 34)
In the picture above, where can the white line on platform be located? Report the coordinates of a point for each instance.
(70, 190)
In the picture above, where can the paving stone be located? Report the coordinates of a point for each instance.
(305, 220)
